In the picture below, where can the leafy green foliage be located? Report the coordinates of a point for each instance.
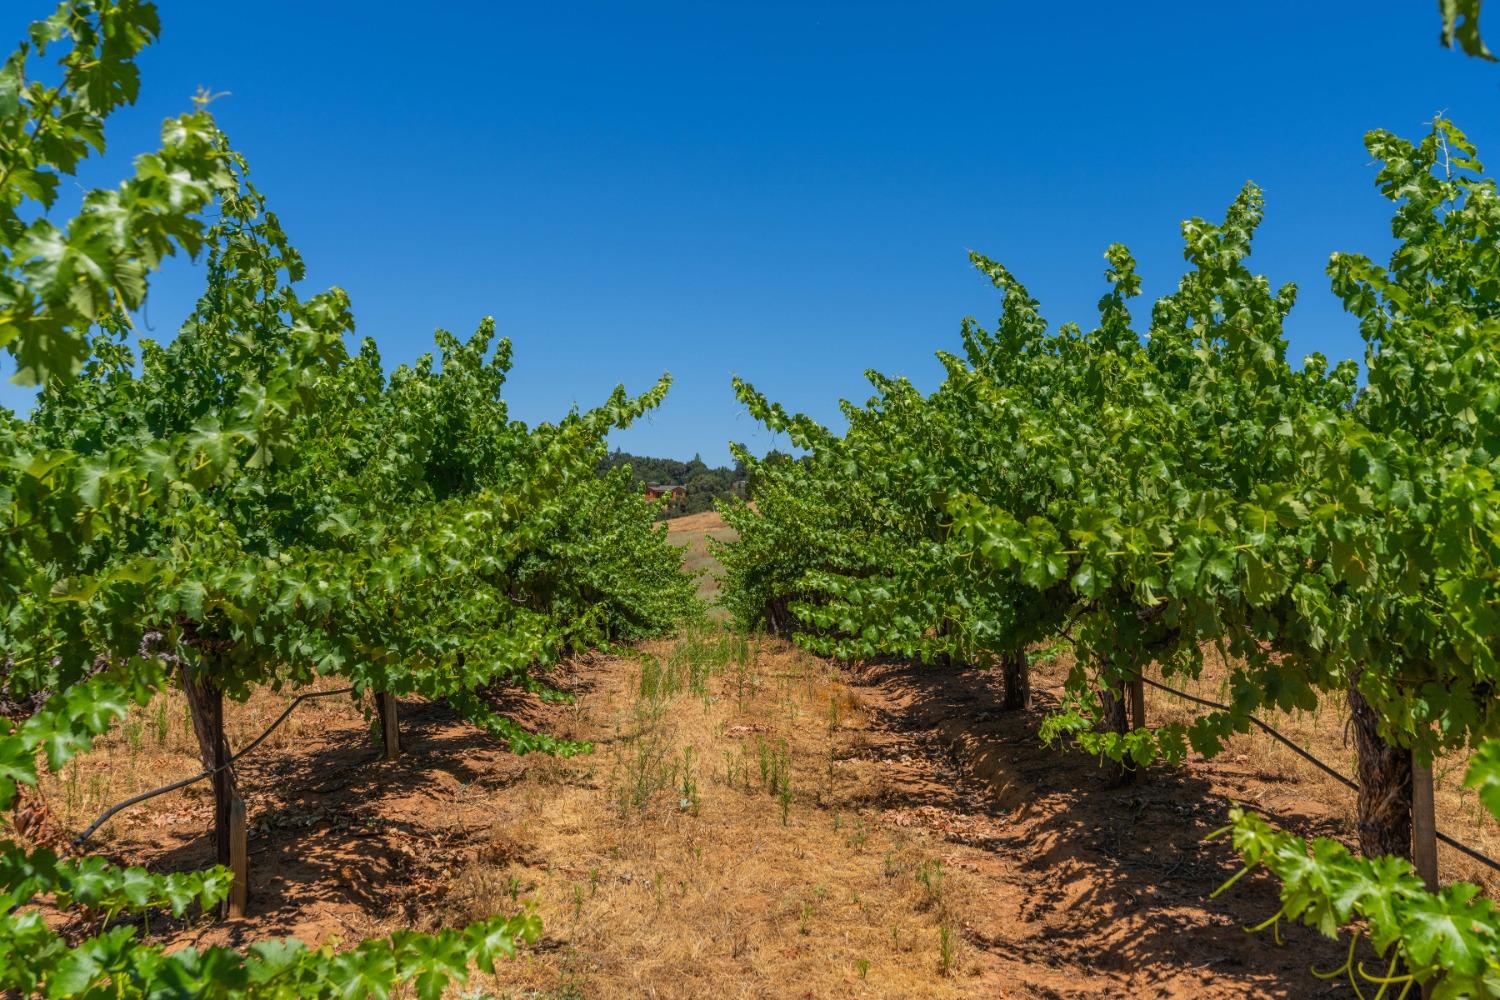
(1461, 24)
(56, 281)
(1450, 938)
(38, 962)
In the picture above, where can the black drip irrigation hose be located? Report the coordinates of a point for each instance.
(1206, 703)
(210, 772)
(1348, 782)
(1342, 779)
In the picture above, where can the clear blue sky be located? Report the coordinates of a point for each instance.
(785, 191)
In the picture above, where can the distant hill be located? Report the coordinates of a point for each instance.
(704, 483)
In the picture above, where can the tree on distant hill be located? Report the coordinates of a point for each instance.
(704, 484)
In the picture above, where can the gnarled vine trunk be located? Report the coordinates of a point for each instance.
(1016, 670)
(779, 617)
(1385, 785)
(945, 630)
(1112, 701)
(206, 706)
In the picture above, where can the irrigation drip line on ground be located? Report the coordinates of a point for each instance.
(208, 773)
(1326, 769)
(1205, 702)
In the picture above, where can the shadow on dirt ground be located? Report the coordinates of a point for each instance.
(1112, 879)
(340, 837)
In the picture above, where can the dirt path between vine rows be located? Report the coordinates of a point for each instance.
(753, 822)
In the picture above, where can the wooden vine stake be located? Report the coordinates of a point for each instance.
(1423, 833)
(390, 724)
(1137, 702)
(239, 859)
(1423, 825)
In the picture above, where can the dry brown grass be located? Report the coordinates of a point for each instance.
(713, 845)
(692, 533)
